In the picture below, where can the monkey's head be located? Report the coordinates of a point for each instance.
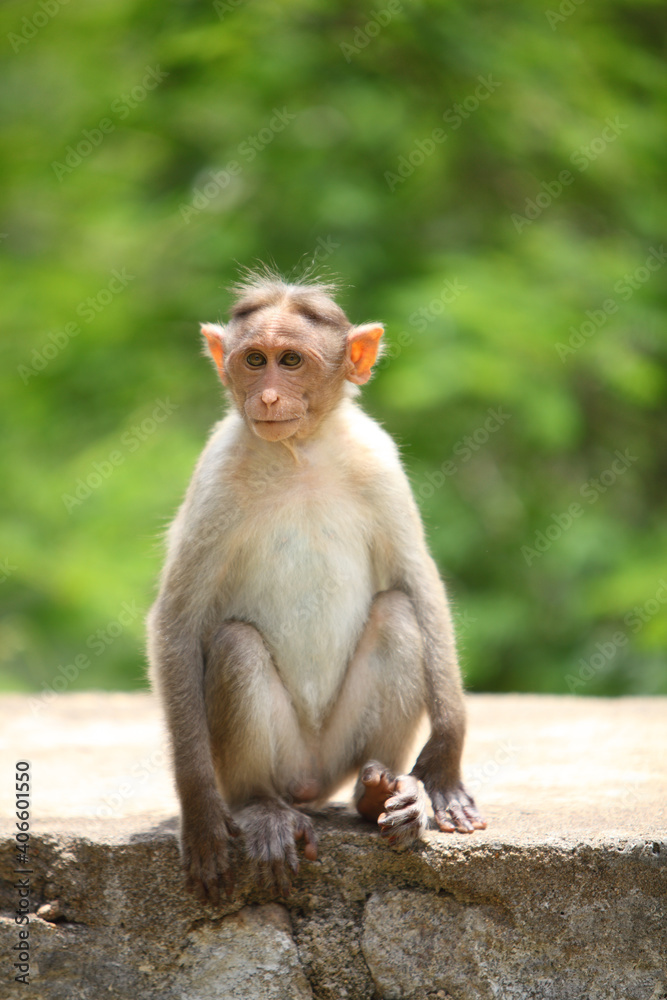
(286, 354)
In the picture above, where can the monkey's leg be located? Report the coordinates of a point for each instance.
(257, 747)
(376, 715)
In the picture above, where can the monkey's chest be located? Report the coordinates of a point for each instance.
(306, 583)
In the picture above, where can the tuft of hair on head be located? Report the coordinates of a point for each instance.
(263, 286)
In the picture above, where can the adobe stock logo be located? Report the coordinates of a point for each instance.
(454, 116)
(625, 288)
(464, 449)
(591, 491)
(606, 651)
(205, 197)
(91, 138)
(377, 20)
(580, 158)
(31, 26)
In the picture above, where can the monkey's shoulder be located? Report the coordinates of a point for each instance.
(226, 449)
(366, 444)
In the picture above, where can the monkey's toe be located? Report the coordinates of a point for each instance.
(378, 784)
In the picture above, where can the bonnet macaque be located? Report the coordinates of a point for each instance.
(301, 630)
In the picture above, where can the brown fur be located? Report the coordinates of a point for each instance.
(301, 628)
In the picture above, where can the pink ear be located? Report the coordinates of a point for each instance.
(216, 347)
(363, 343)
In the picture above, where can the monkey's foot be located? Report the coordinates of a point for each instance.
(271, 830)
(455, 811)
(398, 804)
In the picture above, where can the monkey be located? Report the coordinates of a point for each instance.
(301, 631)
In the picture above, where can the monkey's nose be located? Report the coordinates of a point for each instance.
(269, 396)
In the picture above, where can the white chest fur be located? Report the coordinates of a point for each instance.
(300, 569)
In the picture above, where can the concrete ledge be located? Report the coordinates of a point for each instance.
(563, 896)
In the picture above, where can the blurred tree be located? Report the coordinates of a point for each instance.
(488, 181)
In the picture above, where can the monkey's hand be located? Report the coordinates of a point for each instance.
(405, 817)
(455, 810)
(205, 834)
(397, 804)
(271, 829)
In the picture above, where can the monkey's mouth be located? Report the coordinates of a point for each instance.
(274, 423)
(276, 430)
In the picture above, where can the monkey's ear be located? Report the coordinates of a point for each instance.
(216, 346)
(363, 343)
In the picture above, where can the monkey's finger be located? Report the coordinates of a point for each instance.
(461, 821)
(226, 875)
(310, 851)
(371, 775)
(186, 864)
(206, 887)
(228, 881)
(194, 876)
(306, 833)
(400, 801)
(390, 822)
(291, 855)
(444, 822)
(281, 878)
(265, 874)
(405, 835)
(212, 888)
(375, 774)
(195, 887)
(213, 875)
(407, 784)
(456, 821)
(478, 821)
(473, 814)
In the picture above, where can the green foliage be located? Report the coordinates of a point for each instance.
(487, 179)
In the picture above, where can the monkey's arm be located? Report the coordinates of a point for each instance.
(412, 570)
(439, 763)
(178, 666)
(176, 625)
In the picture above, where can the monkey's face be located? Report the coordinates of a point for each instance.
(286, 364)
(284, 374)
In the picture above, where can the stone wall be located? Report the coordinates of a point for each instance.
(563, 896)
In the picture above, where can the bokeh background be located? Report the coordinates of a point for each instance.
(487, 179)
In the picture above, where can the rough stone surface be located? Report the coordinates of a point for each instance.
(415, 943)
(254, 946)
(563, 897)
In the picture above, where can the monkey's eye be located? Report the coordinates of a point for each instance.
(290, 359)
(255, 359)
